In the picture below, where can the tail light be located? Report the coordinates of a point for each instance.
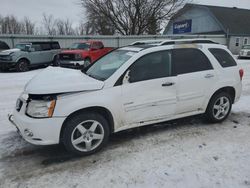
(241, 72)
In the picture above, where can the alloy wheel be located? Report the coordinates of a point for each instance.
(221, 107)
(87, 135)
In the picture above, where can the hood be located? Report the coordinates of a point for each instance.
(8, 52)
(61, 80)
(72, 51)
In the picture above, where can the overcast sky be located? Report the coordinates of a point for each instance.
(71, 8)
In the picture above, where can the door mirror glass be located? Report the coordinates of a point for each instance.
(27, 48)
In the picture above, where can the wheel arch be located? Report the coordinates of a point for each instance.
(24, 58)
(96, 109)
(228, 89)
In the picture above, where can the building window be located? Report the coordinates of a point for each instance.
(237, 41)
(245, 41)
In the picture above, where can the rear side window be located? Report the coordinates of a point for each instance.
(223, 57)
(37, 47)
(189, 60)
(45, 46)
(151, 66)
(55, 45)
(97, 45)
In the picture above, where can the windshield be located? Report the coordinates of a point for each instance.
(21, 46)
(107, 65)
(246, 47)
(83, 46)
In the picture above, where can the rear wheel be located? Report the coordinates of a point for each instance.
(55, 62)
(219, 107)
(86, 133)
(22, 65)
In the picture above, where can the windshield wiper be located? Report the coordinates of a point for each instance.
(95, 77)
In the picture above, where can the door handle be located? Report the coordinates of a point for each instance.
(167, 84)
(209, 76)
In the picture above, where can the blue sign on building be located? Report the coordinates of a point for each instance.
(184, 26)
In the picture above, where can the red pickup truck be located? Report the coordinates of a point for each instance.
(82, 54)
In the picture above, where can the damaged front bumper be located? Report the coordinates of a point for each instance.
(45, 131)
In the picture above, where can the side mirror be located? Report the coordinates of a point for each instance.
(93, 49)
(126, 78)
(27, 48)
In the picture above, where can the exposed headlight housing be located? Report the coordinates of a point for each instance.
(78, 57)
(40, 108)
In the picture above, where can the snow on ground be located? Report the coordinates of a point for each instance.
(182, 153)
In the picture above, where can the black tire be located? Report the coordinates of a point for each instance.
(55, 62)
(87, 62)
(72, 132)
(214, 103)
(22, 65)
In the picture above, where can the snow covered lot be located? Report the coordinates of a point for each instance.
(182, 153)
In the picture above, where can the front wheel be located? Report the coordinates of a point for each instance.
(22, 65)
(219, 107)
(86, 133)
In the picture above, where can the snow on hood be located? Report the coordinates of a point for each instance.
(8, 52)
(61, 80)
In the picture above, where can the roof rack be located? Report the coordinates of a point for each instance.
(149, 42)
(171, 42)
(188, 41)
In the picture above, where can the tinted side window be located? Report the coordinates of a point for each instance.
(100, 45)
(45, 46)
(189, 60)
(37, 47)
(223, 57)
(55, 45)
(95, 45)
(151, 66)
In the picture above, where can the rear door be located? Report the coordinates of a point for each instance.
(150, 94)
(195, 75)
(35, 55)
(46, 53)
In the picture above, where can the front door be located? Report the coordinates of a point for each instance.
(150, 94)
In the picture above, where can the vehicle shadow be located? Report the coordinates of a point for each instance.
(14, 71)
(56, 154)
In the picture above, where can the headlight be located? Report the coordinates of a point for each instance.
(78, 57)
(40, 108)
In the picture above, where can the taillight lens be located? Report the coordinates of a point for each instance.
(241, 72)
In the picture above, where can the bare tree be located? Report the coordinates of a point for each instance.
(131, 17)
(29, 27)
(64, 27)
(49, 24)
(10, 25)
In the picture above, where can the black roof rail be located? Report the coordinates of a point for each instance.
(189, 42)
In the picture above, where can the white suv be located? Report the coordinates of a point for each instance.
(137, 85)
(244, 52)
